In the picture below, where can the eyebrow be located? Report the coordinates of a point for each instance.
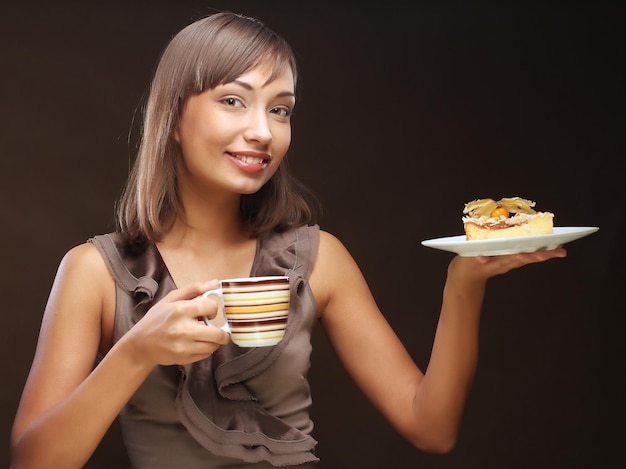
(247, 86)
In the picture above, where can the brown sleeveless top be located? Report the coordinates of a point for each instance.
(238, 408)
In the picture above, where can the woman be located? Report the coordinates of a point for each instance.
(210, 197)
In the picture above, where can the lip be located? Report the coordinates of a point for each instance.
(250, 161)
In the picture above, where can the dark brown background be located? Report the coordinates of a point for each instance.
(405, 113)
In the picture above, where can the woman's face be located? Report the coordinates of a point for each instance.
(233, 137)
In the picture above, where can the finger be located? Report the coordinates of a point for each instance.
(206, 308)
(552, 254)
(198, 308)
(197, 351)
(540, 256)
(210, 333)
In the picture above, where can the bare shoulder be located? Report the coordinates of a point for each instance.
(334, 266)
(333, 256)
(83, 291)
(331, 245)
(85, 256)
(84, 265)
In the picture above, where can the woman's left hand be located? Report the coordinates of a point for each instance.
(483, 267)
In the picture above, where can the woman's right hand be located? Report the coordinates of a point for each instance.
(173, 331)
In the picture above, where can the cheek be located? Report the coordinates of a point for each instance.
(206, 134)
(282, 141)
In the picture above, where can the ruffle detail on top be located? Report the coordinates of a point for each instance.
(213, 402)
(138, 269)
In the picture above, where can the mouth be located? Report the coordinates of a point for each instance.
(249, 159)
(248, 162)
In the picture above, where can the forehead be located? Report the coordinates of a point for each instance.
(266, 74)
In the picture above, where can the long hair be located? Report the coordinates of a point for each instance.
(209, 52)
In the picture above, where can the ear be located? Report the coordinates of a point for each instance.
(176, 134)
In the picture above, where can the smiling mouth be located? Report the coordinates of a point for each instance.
(249, 159)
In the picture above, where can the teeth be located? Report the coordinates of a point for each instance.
(249, 159)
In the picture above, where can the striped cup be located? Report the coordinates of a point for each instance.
(256, 309)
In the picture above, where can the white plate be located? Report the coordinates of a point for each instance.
(501, 246)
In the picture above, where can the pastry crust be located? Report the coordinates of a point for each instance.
(522, 220)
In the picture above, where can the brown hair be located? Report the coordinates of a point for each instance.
(209, 52)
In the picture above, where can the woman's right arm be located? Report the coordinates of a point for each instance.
(68, 405)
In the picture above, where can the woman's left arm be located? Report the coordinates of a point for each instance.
(424, 407)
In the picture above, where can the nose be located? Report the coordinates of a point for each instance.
(258, 128)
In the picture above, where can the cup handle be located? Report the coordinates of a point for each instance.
(217, 292)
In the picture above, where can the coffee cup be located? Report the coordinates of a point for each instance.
(255, 309)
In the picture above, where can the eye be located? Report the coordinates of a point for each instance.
(232, 102)
(281, 111)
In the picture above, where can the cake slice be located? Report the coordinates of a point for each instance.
(506, 218)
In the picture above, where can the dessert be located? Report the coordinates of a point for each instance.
(505, 218)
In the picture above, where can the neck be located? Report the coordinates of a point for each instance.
(207, 223)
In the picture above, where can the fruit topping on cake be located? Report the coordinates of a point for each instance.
(505, 218)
